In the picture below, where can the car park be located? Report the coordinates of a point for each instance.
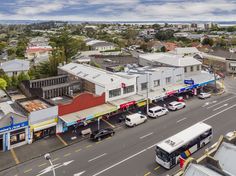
(157, 111)
(102, 133)
(204, 95)
(135, 119)
(175, 105)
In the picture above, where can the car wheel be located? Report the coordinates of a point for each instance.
(99, 139)
(184, 106)
(112, 134)
(134, 125)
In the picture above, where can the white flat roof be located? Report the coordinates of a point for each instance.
(174, 142)
(93, 74)
(170, 59)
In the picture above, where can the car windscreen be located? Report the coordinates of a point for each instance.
(150, 111)
(128, 119)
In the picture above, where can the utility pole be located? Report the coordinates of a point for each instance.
(47, 156)
(214, 73)
(147, 77)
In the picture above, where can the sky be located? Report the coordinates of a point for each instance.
(119, 10)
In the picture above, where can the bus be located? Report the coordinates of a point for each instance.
(182, 144)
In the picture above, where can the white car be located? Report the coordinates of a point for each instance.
(230, 134)
(204, 95)
(175, 105)
(157, 111)
(135, 119)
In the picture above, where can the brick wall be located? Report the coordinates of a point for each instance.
(83, 101)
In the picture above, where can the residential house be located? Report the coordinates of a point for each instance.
(100, 45)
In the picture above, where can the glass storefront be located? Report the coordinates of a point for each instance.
(17, 136)
(44, 133)
(1, 142)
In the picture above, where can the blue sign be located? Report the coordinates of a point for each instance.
(182, 90)
(190, 81)
(13, 127)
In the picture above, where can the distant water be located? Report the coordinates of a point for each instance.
(222, 23)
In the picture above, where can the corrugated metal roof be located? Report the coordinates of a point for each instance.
(199, 170)
(15, 65)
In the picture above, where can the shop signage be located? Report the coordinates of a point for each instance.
(14, 126)
(182, 90)
(190, 81)
(140, 104)
(105, 112)
(193, 86)
(171, 92)
(126, 105)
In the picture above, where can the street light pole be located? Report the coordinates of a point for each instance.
(147, 77)
(48, 157)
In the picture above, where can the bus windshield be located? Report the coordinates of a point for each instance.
(163, 155)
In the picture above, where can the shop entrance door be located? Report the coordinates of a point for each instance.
(1, 142)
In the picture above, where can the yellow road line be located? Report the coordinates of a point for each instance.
(77, 150)
(147, 174)
(98, 142)
(55, 159)
(68, 154)
(14, 156)
(27, 171)
(157, 167)
(88, 146)
(113, 126)
(42, 165)
(62, 140)
(108, 137)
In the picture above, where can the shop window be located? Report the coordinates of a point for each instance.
(198, 67)
(178, 78)
(156, 83)
(17, 136)
(168, 80)
(191, 68)
(128, 89)
(185, 69)
(114, 93)
(144, 86)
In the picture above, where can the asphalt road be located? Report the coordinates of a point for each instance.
(131, 151)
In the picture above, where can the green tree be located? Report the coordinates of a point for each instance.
(3, 83)
(2, 46)
(207, 41)
(11, 51)
(164, 35)
(23, 76)
(14, 81)
(7, 79)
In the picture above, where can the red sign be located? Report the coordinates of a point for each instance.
(123, 85)
(171, 92)
(181, 162)
(126, 105)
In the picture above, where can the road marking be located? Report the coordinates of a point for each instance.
(147, 174)
(55, 159)
(78, 150)
(146, 135)
(109, 137)
(68, 154)
(220, 102)
(80, 173)
(62, 140)
(98, 142)
(218, 113)
(88, 146)
(181, 120)
(220, 107)
(122, 161)
(13, 153)
(97, 157)
(157, 167)
(42, 165)
(113, 126)
(26, 171)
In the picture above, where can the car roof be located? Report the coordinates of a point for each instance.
(133, 115)
(156, 108)
(174, 102)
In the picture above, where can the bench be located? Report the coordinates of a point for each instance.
(86, 132)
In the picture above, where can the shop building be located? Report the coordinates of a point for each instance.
(14, 128)
(42, 115)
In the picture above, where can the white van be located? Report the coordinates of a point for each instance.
(135, 119)
(157, 111)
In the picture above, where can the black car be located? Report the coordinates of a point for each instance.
(102, 133)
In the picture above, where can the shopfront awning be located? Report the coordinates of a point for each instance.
(87, 114)
(127, 101)
(45, 126)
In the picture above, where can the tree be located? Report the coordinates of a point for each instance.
(164, 35)
(14, 81)
(156, 26)
(7, 79)
(23, 76)
(207, 41)
(2, 46)
(3, 83)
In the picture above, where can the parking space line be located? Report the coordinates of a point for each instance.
(55, 159)
(113, 126)
(181, 120)
(68, 154)
(42, 165)
(97, 157)
(157, 167)
(78, 150)
(146, 135)
(88, 146)
(147, 174)
(26, 171)
(13, 153)
(62, 140)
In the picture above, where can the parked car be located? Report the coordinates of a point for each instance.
(121, 118)
(102, 133)
(135, 119)
(175, 105)
(157, 111)
(204, 95)
(230, 134)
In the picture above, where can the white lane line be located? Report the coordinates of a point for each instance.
(122, 161)
(218, 113)
(181, 120)
(97, 157)
(220, 102)
(220, 107)
(146, 135)
(80, 173)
